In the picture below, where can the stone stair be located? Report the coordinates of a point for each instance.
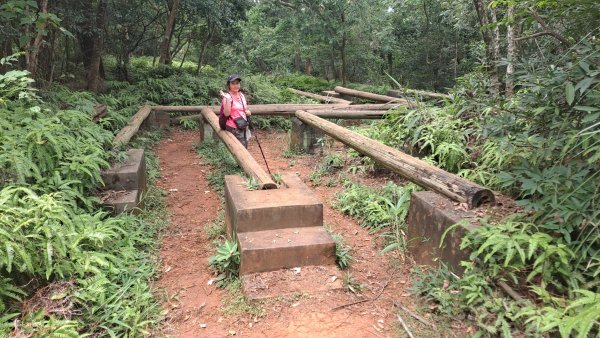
(279, 228)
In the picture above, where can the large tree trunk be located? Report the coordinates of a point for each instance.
(418, 171)
(94, 76)
(511, 47)
(165, 55)
(33, 50)
(308, 67)
(488, 39)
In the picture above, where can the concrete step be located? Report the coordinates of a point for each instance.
(291, 206)
(129, 175)
(270, 250)
(122, 201)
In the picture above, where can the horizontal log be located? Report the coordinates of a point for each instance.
(326, 99)
(254, 108)
(416, 170)
(242, 155)
(133, 126)
(421, 93)
(346, 114)
(374, 97)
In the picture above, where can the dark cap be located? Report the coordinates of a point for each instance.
(232, 78)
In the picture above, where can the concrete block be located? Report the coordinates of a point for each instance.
(129, 175)
(395, 93)
(157, 119)
(304, 138)
(270, 250)
(293, 205)
(122, 201)
(429, 216)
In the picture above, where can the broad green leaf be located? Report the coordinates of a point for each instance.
(569, 93)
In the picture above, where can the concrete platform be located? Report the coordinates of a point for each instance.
(429, 216)
(291, 206)
(287, 282)
(285, 248)
(129, 175)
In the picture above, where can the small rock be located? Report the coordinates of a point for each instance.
(232, 332)
(203, 326)
(173, 190)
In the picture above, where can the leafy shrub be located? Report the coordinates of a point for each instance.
(226, 262)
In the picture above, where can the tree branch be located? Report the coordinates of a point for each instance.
(547, 30)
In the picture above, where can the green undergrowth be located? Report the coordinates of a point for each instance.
(66, 268)
(541, 147)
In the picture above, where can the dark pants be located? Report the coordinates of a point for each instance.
(240, 134)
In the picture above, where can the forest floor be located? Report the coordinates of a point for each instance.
(196, 308)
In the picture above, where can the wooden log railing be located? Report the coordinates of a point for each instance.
(242, 155)
(374, 97)
(418, 171)
(133, 126)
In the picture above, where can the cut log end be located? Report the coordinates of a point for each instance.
(268, 186)
(481, 197)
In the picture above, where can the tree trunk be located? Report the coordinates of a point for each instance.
(510, 42)
(490, 60)
(34, 50)
(242, 155)
(204, 46)
(418, 171)
(308, 67)
(297, 61)
(95, 71)
(165, 56)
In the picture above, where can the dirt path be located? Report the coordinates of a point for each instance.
(191, 302)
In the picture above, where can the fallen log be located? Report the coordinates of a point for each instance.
(374, 97)
(403, 92)
(326, 99)
(416, 170)
(242, 155)
(348, 114)
(133, 126)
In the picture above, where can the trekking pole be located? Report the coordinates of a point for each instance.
(259, 147)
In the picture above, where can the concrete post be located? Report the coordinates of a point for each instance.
(304, 138)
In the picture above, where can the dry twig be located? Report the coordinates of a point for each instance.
(404, 326)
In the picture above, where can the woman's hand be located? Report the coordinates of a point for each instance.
(248, 113)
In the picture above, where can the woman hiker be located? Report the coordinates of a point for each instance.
(235, 110)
